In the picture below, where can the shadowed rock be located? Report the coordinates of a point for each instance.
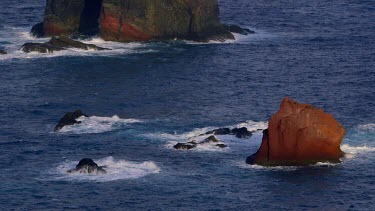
(3, 52)
(299, 134)
(239, 30)
(58, 44)
(65, 42)
(193, 144)
(238, 132)
(69, 118)
(185, 146)
(88, 166)
(40, 48)
(38, 30)
(136, 20)
(241, 132)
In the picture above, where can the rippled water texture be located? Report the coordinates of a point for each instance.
(144, 97)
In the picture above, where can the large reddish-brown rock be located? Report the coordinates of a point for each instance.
(299, 134)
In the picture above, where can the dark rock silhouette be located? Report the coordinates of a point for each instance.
(69, 118)
(88, 166)
(299, 134)
(136, 20)
(58, 44)
(193, 144)
(38, 30)
(239, 30)
(238, 132)
(3, 52)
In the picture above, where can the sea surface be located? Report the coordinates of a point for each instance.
(144, 97)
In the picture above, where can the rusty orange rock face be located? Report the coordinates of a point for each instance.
(114, 28)
(299, 134)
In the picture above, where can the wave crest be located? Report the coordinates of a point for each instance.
(116, 170)
(95, 124)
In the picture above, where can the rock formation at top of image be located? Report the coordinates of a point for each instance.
(136, 20)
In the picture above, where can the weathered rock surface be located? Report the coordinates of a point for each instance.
(88, 166)
(136, 20)
(299, 134)
(40, 48)
(238, 132)
(66, 17)
(3, 52)
(58, 44)
(193, 144)
(70, 118)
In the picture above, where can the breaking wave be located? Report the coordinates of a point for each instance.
(116, 170)
(95, 124)
(352, 151)
(367, 127)
(12, 38)
(174, 138)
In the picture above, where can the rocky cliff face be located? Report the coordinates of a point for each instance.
(299, 134)
(65, 17)
(135, 20)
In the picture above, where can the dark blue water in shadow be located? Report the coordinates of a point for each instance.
(318, 52)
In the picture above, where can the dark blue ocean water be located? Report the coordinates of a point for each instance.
(318, 52)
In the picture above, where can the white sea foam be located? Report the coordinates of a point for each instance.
(244, 165)
(116, 170)
(14, 37)
(95, 124)
(367, 127)
(196, 134)
(352, 151)
(208, 147)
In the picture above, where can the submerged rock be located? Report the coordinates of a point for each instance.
(58, 44)
(299, 134)
(194, 144)
(238, 132)
(88, 166)
(40, 48)
(136, 20)
(239, 30)
(69, 118)
(3, 52)
(65, 42)
(185, 146)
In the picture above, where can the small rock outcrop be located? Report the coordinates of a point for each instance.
(88, 166)
(58, 44)
(299, 134)
(69, 118)
(3, 52)
(238, 132)
(239, 30)
(136, 20)
(193, 144)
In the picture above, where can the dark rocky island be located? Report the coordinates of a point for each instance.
(69, 118)
(299, 134)
(88, 166)
(136, 20)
